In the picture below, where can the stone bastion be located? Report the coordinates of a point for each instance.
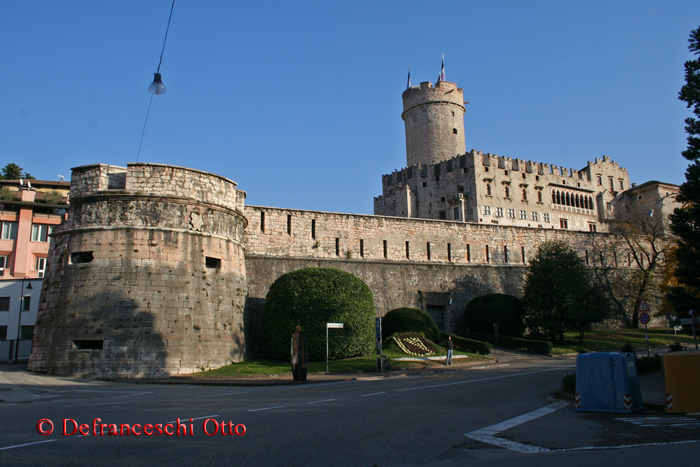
(146, 277)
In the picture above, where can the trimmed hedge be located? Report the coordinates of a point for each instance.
(410, 320)
(506, 310)
(514, 342)
(468, 345)
(311, 298)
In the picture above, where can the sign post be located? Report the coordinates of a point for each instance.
(378, 329)
(644, 318)
(331, 326)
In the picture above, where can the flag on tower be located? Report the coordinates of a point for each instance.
(408, 84)
(441, 77)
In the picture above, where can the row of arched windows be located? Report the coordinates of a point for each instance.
(571, 199)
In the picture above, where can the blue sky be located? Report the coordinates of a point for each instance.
(300, 102)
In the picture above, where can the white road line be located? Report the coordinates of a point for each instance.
(224, 394)
(599, 448)
(487, 435)
(28, 444)
(99, 403)
(306, 386)
(183, 420)
(481, 379)
(317, 402)
(267, 408)
(373, 394)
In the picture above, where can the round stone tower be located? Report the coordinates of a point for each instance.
(434, 119)
(146, 277)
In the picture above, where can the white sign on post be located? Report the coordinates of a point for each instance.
(331, 326)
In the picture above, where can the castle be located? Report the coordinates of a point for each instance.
(163, 270)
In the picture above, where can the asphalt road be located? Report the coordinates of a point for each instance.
(501, 415)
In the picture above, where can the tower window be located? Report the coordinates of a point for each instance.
(454, 130)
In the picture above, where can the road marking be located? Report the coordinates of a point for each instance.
(98, 403)
(28, 444)
(267, 408)
(481, 379)
(224, 394)
(487, 435)
(198, 418)
(659, 421)
(373, 394)
(317, 402)
(303, 386)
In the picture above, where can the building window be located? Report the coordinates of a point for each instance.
(511, 213)
(3, 333)
(40, 232)
(487, 210)
(40, 266)
(4, 303)
(499, 212)
(507, 191)
(600, 180)
(3, 263)
(563, 223)
(9, 231)
(25, 303)
(524, 194)
(622, 185)
(539, 196)
(609, 206)
(488, 190)
(443, 215)
(545, 216)
(26, 332)
(533, 216)
(612, 185)
(591, 227)
(523, 214)
(456, 213)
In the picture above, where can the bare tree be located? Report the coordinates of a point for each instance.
(628, 263)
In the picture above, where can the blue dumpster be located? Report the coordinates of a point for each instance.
(607, 382)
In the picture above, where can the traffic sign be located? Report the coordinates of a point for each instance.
(334, 325)
(643, 306)
(644, 318)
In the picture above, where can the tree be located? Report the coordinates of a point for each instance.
(628, 265)
(685, 221)
(557, 292)
(13, 171)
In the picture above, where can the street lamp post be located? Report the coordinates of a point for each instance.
(19, 315)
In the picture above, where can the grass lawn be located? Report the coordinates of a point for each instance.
(597, 341)
(263, 367)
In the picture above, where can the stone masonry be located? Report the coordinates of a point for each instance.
(146, 277)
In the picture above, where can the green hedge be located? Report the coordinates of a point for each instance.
(506, 310)
(410, 320)
(468, 345)
(514, 342)
(311, 298)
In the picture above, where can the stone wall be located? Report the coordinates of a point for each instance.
(144, 279)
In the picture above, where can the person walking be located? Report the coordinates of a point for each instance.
(449, 346)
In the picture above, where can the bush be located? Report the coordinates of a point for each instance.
(650, 364)
(410, 320)
(529, 345)
(506, 310)
(311, 298)
(468, 345)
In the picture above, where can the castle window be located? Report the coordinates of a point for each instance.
(506, 172)
(522, 253)
(488, 190)
(487, 210)
(563, 223)
(449, 251)
(640, 197)
(488, 258)
(337, 247)
(505, 254)
(486, 169)
(523, 214)
(386, 250)
(81, 257)
(362, 248)
(89, 344)
(442, 199)
(587, 260)
(443, 215)
(427, 250)
(612, 186)
(425, 184)
(524, 194)
(289, 224)
(499, 212)
(464, 170)
(533, 216)
(262, 221)
(563, 182)
(545, 217)
(591, 227)
(507, 191)
(609, 206)
(454, 130)
(537, 177)
(437, 178)
(469, 253)
(511, 213)
(212, 263)
(408, 251)
(539, 196)
(313, 228)
(523, 174)
(600, 180)
(455, 213)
